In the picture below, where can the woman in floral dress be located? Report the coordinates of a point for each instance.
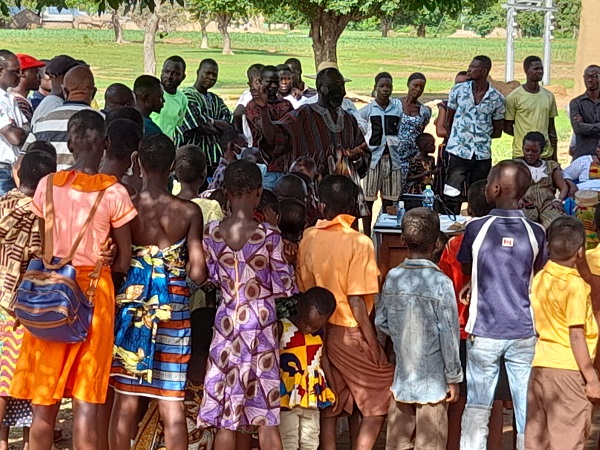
(415, 117)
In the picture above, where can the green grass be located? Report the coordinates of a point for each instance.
(361, 56)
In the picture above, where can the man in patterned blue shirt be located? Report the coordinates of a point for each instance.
(475, 117)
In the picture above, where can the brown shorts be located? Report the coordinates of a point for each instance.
(417, 426)
(559, 415)
(356, 378)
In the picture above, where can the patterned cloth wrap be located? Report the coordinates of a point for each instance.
(143, 302)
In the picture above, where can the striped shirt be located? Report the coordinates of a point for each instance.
(506, 251)
(53, 128)
(201, 109)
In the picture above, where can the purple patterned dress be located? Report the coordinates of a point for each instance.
(241, 387)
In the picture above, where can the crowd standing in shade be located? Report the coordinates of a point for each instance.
(236, 302)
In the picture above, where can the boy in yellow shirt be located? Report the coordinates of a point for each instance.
(563, 381)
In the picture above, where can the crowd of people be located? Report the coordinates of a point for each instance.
(236, 304)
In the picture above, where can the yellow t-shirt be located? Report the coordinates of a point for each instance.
(334, 256)
(211, 210)
(561, 299)
(593, 260)
(531, 112)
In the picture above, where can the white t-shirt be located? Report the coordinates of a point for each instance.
(244, 100)
(10, 114)
(296, 103)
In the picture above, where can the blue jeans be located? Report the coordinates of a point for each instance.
(483, 368)
(7, 182)
(270, 180)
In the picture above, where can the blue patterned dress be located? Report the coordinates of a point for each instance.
(152, 327)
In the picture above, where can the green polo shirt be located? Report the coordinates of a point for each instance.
(172, 113)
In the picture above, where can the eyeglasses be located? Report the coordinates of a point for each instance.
(592, 76)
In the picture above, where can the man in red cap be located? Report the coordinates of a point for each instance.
(30, 81)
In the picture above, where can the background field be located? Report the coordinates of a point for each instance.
(361, 56)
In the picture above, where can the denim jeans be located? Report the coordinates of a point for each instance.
(270, 180)
(483, 368)
(7, 182)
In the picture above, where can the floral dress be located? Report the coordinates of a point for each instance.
(410, 128)
(241, 386)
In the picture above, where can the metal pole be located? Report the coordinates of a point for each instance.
(510, 43)
(548, 27)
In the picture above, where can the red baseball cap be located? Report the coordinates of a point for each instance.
(29, 62)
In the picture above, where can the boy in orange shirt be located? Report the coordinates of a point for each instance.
(334, 256)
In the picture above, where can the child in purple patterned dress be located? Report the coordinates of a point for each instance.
(245, 259)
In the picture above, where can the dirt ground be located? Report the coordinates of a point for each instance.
(65, 421)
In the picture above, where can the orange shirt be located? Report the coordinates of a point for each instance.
(334, 256)
(451, 267)
(74, 195)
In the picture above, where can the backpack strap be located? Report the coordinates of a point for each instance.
(49, 228)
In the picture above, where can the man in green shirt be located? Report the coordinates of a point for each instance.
(530, 107)
(173, 111)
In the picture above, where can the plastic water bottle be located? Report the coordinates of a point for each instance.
(428, 197)
(400, 214)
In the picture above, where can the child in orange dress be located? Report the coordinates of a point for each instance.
(47, 371)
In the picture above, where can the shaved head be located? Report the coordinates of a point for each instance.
(79, 85)
(118, 95)
(508, 179)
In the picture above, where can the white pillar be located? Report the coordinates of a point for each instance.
(548, 36)
(510, 43)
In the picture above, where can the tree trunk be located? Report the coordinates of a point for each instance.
(202, 20)
(291, 26)
(587, 47)
(325, 30)
(421, 30)
(223, 21)
(117, 28)
(150, 41)
(386, 25)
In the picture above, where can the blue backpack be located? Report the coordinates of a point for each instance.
(49, 303)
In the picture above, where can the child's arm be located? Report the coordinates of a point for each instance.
(359, 309)
(197, 270)
(584, 362)
(447, 317)
(122, 238)
(560, 184)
